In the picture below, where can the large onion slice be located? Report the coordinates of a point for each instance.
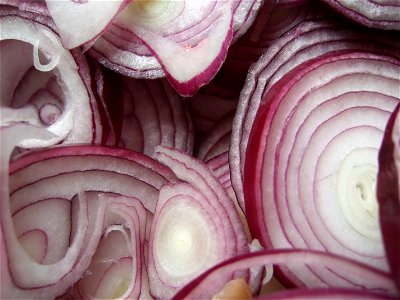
(311, 164)
(307, 41)
(24, 273)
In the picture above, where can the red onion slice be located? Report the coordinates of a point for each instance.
(365, 277)
(328, 294)
(22, 276)
(308, 40)
(311, 162)
(388, 192)
(195, 226)
(71, 18)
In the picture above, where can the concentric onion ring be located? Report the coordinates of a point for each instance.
(311, 164)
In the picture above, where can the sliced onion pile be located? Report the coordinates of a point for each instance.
(267, 158)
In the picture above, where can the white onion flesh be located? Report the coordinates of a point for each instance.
(71, 19)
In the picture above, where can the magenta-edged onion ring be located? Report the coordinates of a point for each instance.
(311, 163)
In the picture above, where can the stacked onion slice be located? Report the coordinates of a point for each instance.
(272, 22)
(46, 85)
(195, 226)
(154, 114)
(311, 163)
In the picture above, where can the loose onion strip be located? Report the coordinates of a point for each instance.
(312, 157)
(366, 276)
(195, 226)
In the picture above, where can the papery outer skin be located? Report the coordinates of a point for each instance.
(283, 204)
(199, 288)
(149, 67)
(85, 126)
(68, 17)
(388, 191)
(375, 14)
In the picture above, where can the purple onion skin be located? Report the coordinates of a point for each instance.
(388, 198)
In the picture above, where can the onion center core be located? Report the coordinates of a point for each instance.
(182, 240)
(361, 197)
